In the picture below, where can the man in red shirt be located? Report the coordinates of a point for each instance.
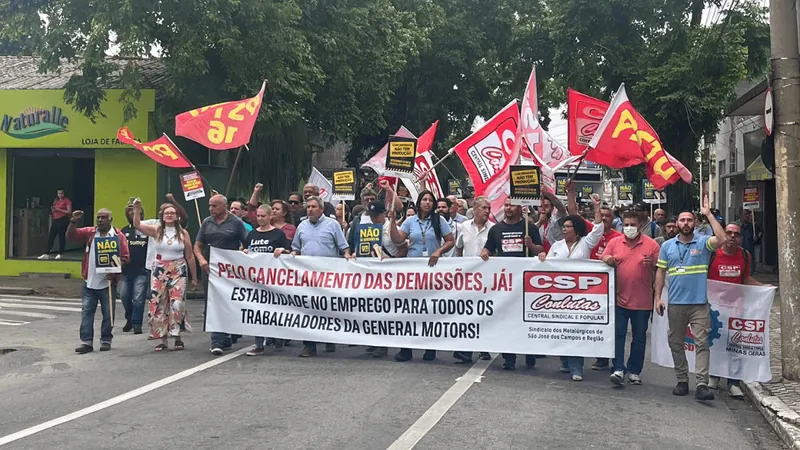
(61, 211)
(731, 264)
(635, 256)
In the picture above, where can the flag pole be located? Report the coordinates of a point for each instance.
(445, 167)
(441, 160)
(190, 162)
(580, 163)
(233, 170)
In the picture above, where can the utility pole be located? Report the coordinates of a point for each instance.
(786, 87)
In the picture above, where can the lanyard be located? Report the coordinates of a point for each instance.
(572, 249)
(425, 230)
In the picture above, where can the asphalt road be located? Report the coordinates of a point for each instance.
(342, 400)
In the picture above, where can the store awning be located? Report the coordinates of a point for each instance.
(758, 171)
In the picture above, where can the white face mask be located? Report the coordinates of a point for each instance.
(630, 232)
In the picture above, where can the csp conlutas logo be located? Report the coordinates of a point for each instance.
(566, 297)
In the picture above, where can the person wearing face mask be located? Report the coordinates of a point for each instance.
(577, 244)
(670, 230)
(634, 256)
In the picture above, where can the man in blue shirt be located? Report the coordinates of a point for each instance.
(684, 259)
(319, 236)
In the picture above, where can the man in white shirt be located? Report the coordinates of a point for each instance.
(470, 242)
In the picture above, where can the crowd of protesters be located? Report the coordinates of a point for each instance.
(680, 252)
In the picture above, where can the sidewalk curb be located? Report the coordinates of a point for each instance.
(11, 290)
(782, 418)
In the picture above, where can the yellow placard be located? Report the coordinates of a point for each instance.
(526, 177)
(346, 177)
(41, 119)
(402, 149)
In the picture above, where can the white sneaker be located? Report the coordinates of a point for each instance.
(616, 378)
(577, 378)
(216, 351)
(45, 256)
(735, 392)
(634, 379)
(58, 256)
(713, 383)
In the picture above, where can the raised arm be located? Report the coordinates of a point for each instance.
(572, 204)
(149, 230)
(719, 237)
(398, 236)
(183, 218)
(556, 202)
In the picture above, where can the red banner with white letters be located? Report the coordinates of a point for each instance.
(584, 114)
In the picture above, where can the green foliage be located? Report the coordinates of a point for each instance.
(680, 74)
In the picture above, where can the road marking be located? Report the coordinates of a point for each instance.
(38, 297)
(6, 312)
(39, 307)
(13, 323)
(121, 398)
(20, 301)
(434, 414)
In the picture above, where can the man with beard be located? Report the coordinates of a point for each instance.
(550, 212)
(685, 261)
(731, 264)
(670, 230)
(508, 239)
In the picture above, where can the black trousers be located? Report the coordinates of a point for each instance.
(58, 228)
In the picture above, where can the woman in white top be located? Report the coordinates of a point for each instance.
(577, 244)
(174, 256)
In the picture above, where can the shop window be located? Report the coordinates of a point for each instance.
(34, 177)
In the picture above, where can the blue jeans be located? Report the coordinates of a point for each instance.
(574, 364)
(90, 299)
(639, 321)
(133, 292)
(221, 340)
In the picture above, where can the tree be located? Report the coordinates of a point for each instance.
(331, 65)
(476, 57)
(680, 72)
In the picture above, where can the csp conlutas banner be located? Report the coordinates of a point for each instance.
(739, 336)
(467, 304)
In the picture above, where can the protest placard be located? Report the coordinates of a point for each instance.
(106, 254)
(524, 184)
(192, 186)
(625, 194)
(344, 185)
(652, 195)
(401, 156)
(368, 235)
(752, 198)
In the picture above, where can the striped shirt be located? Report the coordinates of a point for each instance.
(687, 269)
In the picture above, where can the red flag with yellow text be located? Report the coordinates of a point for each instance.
(222, 126)
(625, 139)
(162, 150)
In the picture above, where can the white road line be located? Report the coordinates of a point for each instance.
(434, 414)
(7, 312)
(13, 323)
(38, 297)
(120, 398)
(39, 307)
(20, 301)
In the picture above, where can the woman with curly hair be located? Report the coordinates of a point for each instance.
(283, 219)
(174, 260)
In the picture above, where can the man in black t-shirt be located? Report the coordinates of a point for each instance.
(508, 239)
(133, 287)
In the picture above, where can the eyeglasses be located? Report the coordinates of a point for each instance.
(294, 202)
(733, 233)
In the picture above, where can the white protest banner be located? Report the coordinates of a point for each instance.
(739, 337)
(558, 307)
(324, 184)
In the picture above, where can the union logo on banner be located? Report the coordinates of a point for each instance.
(566, 297)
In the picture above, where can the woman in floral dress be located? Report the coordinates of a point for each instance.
(174, 259)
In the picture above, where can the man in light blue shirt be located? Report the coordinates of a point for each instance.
(318, 236)
(684, 259)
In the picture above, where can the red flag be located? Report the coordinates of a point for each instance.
(222, 126)
(625, 139)
(584, 116)
(430, 182)
(529, 122)
(162, 150)
(486, 153)
(425, 142)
